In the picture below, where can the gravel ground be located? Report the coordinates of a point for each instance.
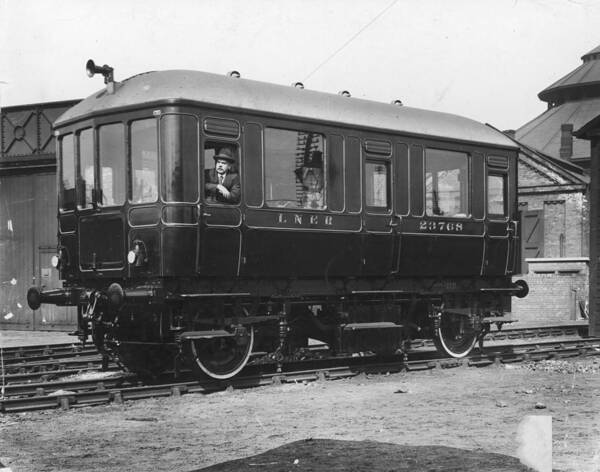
(455, 419)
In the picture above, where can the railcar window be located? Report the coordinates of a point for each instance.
(179, 151)
(446, 183)
(112, 164)
(377, 184)
(221, 174)
(144, 161)
(86, 169)
(67, 177)
(294, 169)
(496, 194)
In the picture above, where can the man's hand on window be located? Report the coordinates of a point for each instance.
(223, 190)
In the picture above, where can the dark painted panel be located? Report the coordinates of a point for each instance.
(179, 251)
(298, 254)
(180, 215)
(436, 255)
(141, 216)
(416, 180)
(68, 223)
(302, 220)
(496, 256)
(378, 254)
(497, 228)
(335, 174)
(222, 216)
(101, 242)
(252, 164)
(401, 185)
(442, 226)
(378, 223)
(219, 252)
(478, 190)
(353, 173)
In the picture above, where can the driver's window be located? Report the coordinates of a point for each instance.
(221, 174)
(294, 169)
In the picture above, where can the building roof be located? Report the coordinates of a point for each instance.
(585, 78)
(193, 87)
(573, 100)
(544, 132)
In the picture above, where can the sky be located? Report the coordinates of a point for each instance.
(483, 59)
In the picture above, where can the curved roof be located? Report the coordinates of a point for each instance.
(179, 86)
(587, 75)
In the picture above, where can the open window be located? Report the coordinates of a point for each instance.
(221, 172)
(446, 183)
(496, 195)
(377, 184)
(497, 187)
(294, 169)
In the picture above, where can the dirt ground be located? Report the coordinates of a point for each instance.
(453, 419)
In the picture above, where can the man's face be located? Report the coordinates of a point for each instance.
(222, 166)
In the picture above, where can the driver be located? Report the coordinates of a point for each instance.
(222, 185)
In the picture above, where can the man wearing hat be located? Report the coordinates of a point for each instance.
(222, 185)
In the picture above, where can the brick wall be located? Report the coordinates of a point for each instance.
(566, 226)
(557, 289)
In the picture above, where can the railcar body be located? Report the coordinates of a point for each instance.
(360, 224)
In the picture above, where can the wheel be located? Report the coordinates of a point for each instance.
(221, 357)
(456, 336)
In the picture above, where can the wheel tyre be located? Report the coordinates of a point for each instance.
(229, 369)
(448, 342)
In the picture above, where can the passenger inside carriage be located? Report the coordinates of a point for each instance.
(311, 176)
(222, 184)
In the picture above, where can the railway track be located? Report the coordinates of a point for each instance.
(118, 387)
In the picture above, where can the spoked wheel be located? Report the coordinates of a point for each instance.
(222, 357)
(456, 336)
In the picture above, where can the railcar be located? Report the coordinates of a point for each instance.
(360, 224)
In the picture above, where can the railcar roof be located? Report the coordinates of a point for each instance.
(175, 86)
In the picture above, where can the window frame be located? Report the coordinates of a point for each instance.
(324, 164)
(129, 166)
(210, 139)
(61, 193)
(387, 162)
(99, 164)
(95, 160)
(161, 177)
(504, 175)
(468, 186)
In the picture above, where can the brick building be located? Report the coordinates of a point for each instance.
(591, 131)
(554, 196)
(553, 200)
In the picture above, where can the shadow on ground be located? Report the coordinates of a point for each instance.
(328, 455)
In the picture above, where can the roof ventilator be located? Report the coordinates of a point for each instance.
(234, 73)
(344, 93)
